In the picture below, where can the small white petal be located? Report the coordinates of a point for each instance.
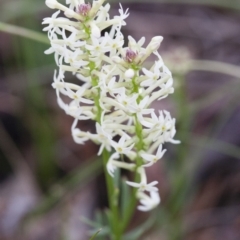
(95, 31)
(133, 184)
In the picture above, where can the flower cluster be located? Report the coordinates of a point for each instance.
(112, 87)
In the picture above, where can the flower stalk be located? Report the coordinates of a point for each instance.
(115, 90)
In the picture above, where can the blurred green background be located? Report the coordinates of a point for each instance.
(49, 185)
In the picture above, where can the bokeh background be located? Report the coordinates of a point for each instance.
(51, 188)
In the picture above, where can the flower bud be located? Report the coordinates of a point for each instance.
(95, 31)
(83, 9)
(116, 59)
(69, 13)
(130, 55)
(155, 43)
(51, 3)
(152, 47)
(129, 73)
(95, 7)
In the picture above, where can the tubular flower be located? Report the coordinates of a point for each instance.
(114, 88)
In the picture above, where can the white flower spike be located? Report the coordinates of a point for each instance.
(113, 88)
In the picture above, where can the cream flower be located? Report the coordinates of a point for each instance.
(112, 87)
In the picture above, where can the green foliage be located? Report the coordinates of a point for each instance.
(94, 236)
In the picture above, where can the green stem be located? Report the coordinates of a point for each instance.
(23, 32)
(133, 201)
(139, 146)
(112, 192)
(131, 206)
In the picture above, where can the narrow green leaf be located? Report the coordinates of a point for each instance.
(136, 233)
(95, 234)
(125, 196)
(216, 145)
(99, 218)
(97, 224)
(91, 223)
(23, 32)
(103, 234)
(78, 178)
(108, 217)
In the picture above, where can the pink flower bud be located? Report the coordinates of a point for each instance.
(130, 55)
(83, 9)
